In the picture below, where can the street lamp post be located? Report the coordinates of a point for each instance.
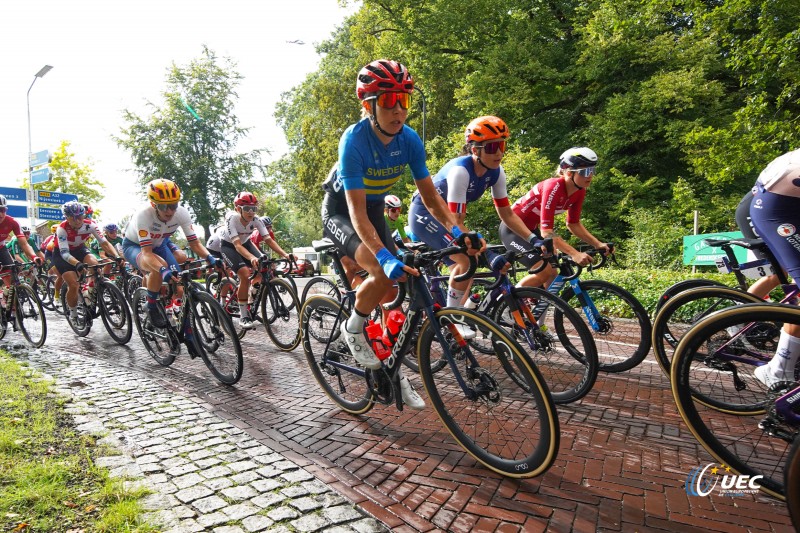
(44, 70)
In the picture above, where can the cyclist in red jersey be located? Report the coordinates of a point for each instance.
(565, 192)
(9, 226)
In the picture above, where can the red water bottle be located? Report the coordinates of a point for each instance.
(374, 333)
(393, 324)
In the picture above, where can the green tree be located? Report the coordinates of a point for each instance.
(71, 176)
(191, 137)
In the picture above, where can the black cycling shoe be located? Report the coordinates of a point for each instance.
(157, 318)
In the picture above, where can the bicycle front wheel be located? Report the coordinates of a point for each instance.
(677, 288)
(335, 368)
(30, 315)
(620, 325)
(42, 292)
(115, 312)
(509, 428)
(726, 408)
(216, 338)
(684, 310)
(280, 310)
(561, 346)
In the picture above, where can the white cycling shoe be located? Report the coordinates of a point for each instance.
(765, 376)
(410, 397)
(361, 351)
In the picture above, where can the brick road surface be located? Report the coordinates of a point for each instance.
(623, 461)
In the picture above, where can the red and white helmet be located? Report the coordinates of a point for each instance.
(392, 201)
(383, 75)
(245, 198)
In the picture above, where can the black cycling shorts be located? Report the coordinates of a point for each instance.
(514, 242)
(233, 259)
(62, 266)
(338, 227)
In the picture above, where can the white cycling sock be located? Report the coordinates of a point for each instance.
(244, 312)
(783, 362)
(454, 297)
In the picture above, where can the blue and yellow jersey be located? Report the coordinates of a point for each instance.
(366, 163)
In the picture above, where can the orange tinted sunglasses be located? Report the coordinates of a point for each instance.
(390, 99)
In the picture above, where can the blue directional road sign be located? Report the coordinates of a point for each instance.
(40, 176)
(55, 198)
(48, 213)
(18, 211)
(13, 193)
(40, 158)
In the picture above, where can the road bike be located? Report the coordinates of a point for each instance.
(683, 309)
(20, 306)
(98, 297)
(559, 343)
(737, 419)
(199, 323)
(617, 320)
(272, 302)
(496, 406)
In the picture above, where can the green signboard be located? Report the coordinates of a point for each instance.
(697, 252)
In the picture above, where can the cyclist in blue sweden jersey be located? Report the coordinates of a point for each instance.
(373, 155)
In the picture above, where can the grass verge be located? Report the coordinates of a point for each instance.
(48, 481)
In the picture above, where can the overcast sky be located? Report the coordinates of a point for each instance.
(108, 55)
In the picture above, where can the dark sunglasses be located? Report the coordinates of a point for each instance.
(395, 208)
(389, 100)
(249, 208)
(3, 209)
(493, 146)
(167, 207)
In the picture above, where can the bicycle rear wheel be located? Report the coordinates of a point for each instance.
(217, 339)
(162, 344)
(227, 296)
(280, 310)
(726, 408)
(561, 347)
(623, 329)
(83, 324)
(684, 310)
(115, 312)
(42, 292)
(791, 480)
(30, 315)
(509, 428)
(335, 369)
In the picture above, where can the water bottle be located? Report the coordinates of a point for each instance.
(374, 333)
(473, 301)
(85, 292)
(393, 324)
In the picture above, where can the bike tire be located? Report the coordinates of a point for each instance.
(624, 330)
(209, 320)
(162, 344)
(681, 286)
(115, 313)
(562, 347)
(212, 280)
(685, 309)
(343, 384)
(321, 285)
(30, 316)
(733, 435)
(791, 480)
(227, 297)
(42, 292)
(519, 430)
(280, 311)
(132, 284)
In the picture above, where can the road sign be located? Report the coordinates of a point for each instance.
(18, 211)
(40, 158)
(697, 252)
(48, 213)
(40, 176)
(56, 198)
(13, 193)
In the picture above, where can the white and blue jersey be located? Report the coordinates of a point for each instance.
(458, 184)
(366, 163)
